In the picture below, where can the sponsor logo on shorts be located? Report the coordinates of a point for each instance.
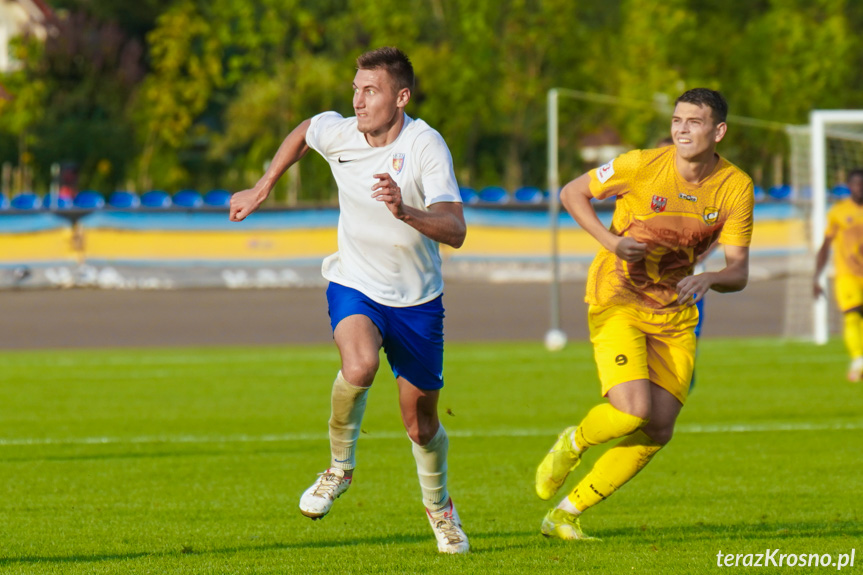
(620, 359)
(398, 162)
(657, 204)
(711, 215)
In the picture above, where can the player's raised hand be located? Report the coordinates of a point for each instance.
(244, 203)
(386, 190)
(630, 250)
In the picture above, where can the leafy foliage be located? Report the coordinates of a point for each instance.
(194, 93)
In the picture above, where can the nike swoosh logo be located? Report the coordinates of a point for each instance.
(341, 161)
(342, 460)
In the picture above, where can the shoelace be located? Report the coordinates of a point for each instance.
(327, 485)
(449, 528)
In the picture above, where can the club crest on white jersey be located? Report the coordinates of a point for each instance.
(398, 162)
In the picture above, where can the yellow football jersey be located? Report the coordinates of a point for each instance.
(676, 219)
(845, 226)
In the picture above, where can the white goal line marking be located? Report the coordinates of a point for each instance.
(285, 437)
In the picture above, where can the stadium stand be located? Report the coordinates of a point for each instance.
(188, 198)
(217, 198)
(494, 195)
(840, 191)
(759, 193)
(782, 192)
(89, 200)
(124, 200)
(468, 195)
(528, 195)
(25, 201)
(56, 202)
(4, 202)
(156, 199)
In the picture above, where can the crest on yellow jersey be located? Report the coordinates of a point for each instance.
(711, 215)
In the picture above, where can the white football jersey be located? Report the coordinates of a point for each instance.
(382, 257)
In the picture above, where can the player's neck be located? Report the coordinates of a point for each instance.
(387, 134)
(695, 170)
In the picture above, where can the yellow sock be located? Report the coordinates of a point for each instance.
(617, 466)
(604, 423)
(852, 332)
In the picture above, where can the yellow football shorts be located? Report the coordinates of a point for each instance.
(632, 343)
(849, 292)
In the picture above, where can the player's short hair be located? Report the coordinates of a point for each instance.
(706, 97)
(856, 172)
(394, 61)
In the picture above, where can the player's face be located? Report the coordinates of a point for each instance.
(855, 184)
(377, 102)
(694, 131)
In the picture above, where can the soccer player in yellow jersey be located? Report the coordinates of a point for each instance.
(672, 204)
(845, 232)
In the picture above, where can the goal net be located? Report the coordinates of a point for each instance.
(822, 154)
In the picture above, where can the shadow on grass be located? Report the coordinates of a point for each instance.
(339, 543)
(681, 534)
(748, 532)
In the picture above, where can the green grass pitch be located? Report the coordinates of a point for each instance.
(192, 461)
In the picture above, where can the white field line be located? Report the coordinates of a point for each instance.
(288, 437)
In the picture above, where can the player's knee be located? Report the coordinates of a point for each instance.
(661, 435)
(361, 371)
(421, 433)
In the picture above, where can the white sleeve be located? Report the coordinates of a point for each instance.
(319, 136)
(437, 174)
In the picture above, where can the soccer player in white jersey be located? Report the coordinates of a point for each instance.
(398, 200)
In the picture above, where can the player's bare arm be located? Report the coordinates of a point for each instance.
(443, 222)
(733, 277)
(293, 148)
(820, 263)
(575, 197)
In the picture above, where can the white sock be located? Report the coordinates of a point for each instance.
(567, 506)
(431, 469)
(348, 406)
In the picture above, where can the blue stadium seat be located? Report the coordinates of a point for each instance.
(782, 192)
(25, 201)
(89, 200)
(840, 191)
(529, 195)
(217, 198)
(759, 194)
(156, 199)
(4, 202)
(468, 195)
(494, 195)
(188, 199)
(56, 202)
(124, 200)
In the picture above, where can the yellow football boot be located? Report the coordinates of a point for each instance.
(555, 467)
(562, 525)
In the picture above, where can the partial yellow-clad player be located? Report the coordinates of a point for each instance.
(845, 232)
(672, 204)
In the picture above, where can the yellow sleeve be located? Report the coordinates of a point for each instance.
(833, 221)
(615, 177)
(737, 230)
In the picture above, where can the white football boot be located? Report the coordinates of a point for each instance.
(317, 499)
(855, 370)
(448, 530)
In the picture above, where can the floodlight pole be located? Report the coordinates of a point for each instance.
(553, 208)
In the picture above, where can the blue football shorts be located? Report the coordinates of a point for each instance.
(412, 336)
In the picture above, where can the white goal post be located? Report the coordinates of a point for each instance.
(824, 124)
